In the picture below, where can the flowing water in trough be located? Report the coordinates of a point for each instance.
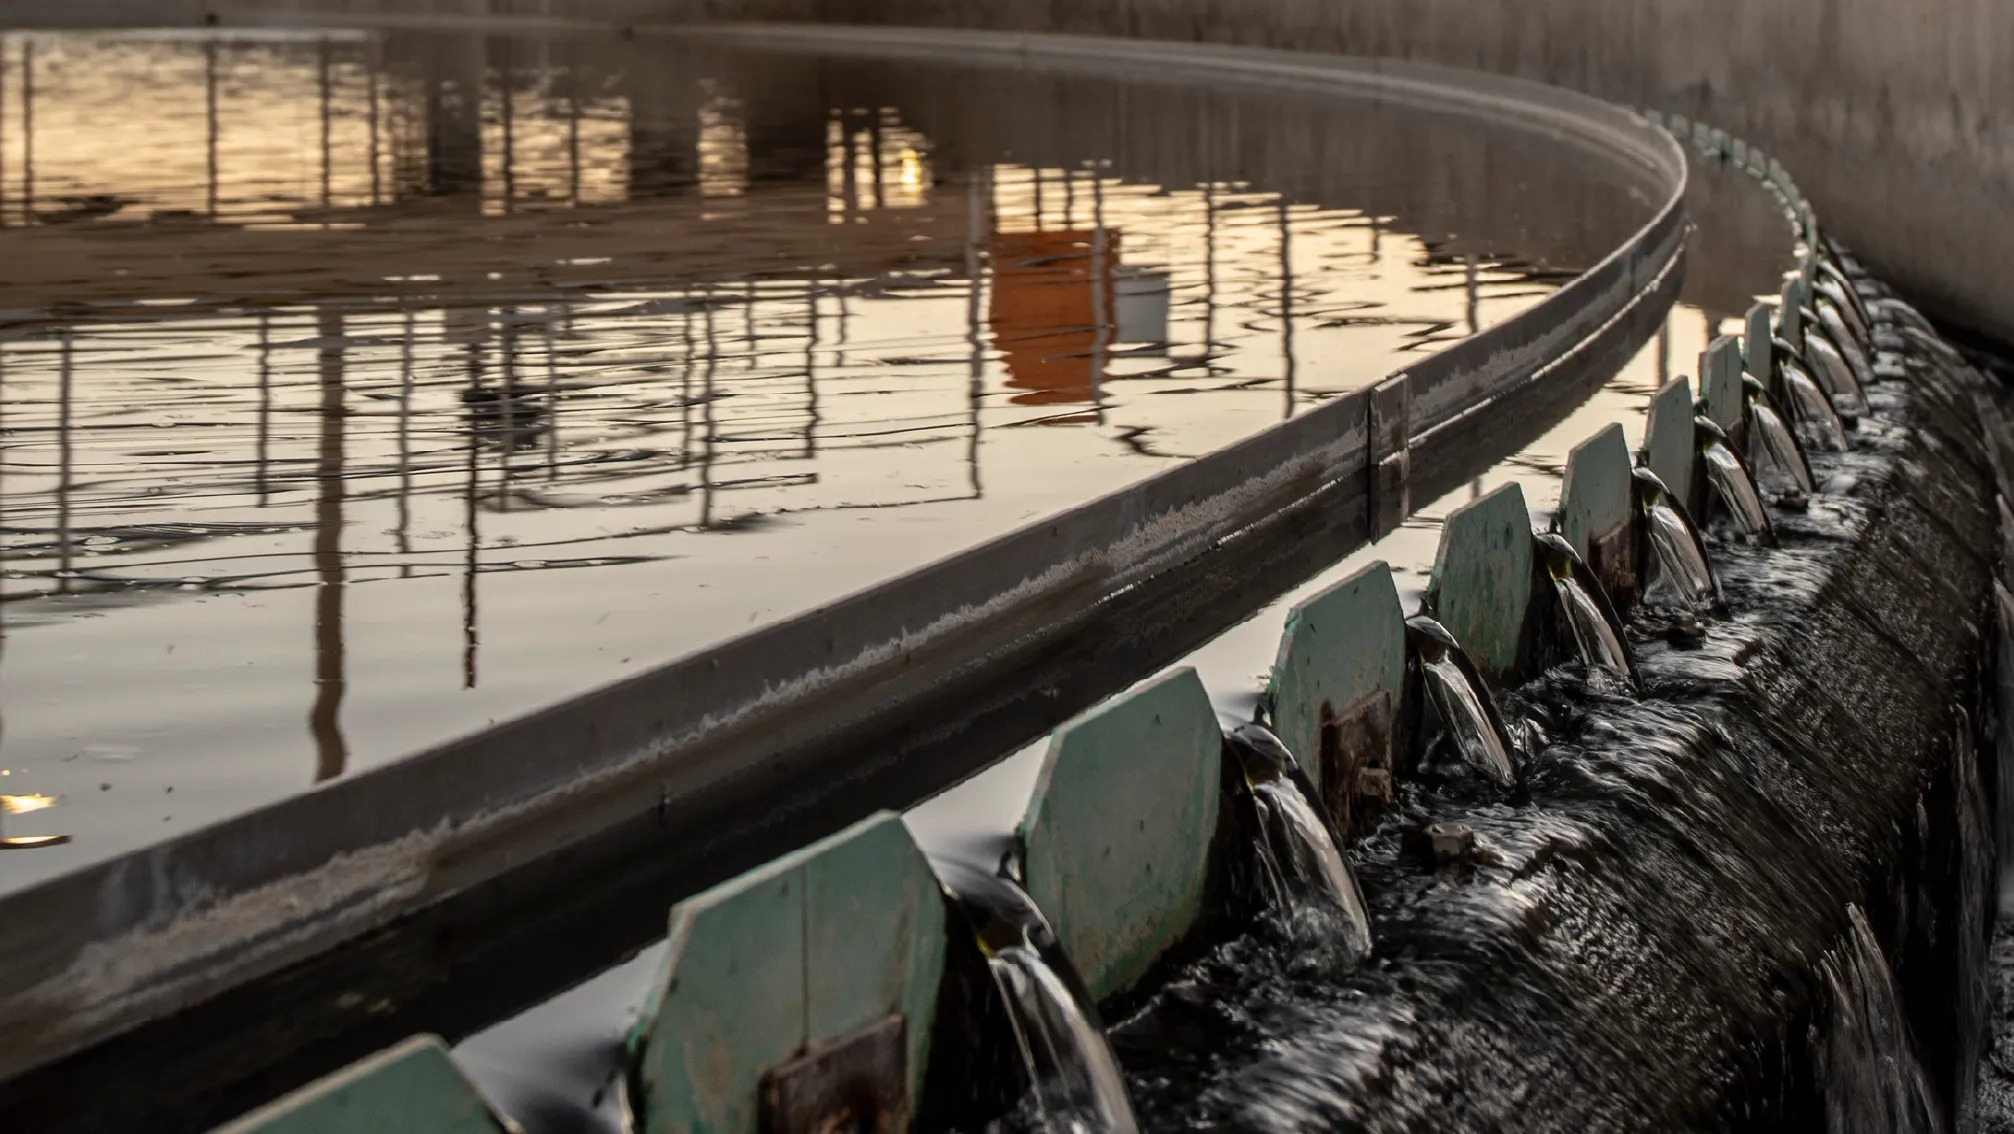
(1722, 904)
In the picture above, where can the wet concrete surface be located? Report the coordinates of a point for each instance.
(364, 390)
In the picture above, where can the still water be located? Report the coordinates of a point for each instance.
(357, 391)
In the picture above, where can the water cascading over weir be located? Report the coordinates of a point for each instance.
(1669, 805)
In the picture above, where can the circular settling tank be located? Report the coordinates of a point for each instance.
(362, 390)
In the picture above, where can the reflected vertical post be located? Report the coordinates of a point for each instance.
(27, 131)
(811, 366)
(324, 719)
(978, 226)
(874, 144)
(849, 175)
(63, 460)
(1209, 276)
(470, 491)
(706, 414)
(840, 325)
(553, 313)
(748, 339)
(573, 133)
(1101, 291)
(685, 385)
(1287, 303)
(1472, 309)
(263, 437)
(326, 81)
(405, 442)
(3, 131)
(506, 115)
(372, 62)
(508, 404)
(210, 126)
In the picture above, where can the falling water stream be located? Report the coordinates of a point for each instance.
(1822, 314)
(1462, 702)
(1597, 631)
(1680, 575)
(1773, 451)
(1818, 422)
(1838, 307)
(1850, 341)
(1830, 365)
(1300, 865)
(1874, 1081)
(1074, 1078)
(1733, 486)
(1595, 639)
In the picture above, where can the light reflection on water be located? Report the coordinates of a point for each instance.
(392, 386)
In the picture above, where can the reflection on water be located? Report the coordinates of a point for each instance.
(398, 384)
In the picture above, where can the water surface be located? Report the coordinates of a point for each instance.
(357, 391)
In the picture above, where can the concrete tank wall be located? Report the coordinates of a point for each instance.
(1882, 109)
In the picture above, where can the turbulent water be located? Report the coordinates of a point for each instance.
(1751, 898)
(1873, 1080)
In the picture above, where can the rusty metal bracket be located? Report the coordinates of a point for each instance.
(1612, 558)
(1356, 760)
(858, 1084)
